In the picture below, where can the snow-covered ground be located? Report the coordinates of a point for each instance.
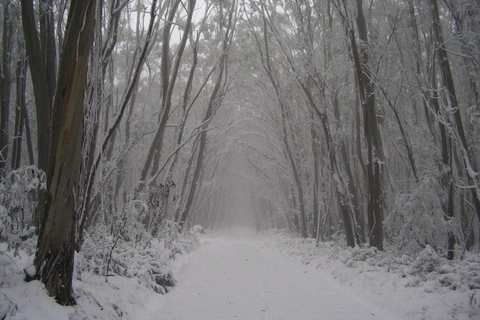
(426, 286)
(240, 275)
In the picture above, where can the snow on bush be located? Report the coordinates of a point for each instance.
(418, 220)
(110, 255)
(110, 262)
(115, 271)
(424, 285)
(17, 204)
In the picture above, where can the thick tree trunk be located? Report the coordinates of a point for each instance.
(47, 45)
(41, 85)
(56, 245)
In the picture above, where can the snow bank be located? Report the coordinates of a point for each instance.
(136, 272)
(426, 286)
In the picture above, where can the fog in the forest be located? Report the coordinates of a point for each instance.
(125, 122)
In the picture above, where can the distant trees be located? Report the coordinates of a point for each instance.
(351, 68)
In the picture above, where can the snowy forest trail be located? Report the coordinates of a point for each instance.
(240, 278)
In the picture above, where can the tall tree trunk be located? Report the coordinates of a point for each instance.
(458, 132)
(48, 46)
(214, 103)
(5, 84)
(41, 57)
(375, 156)
(110, 133)
(167, 89)
(55, 250)
(316, 176)
(42, 80)
(296, 176)
(21, 115)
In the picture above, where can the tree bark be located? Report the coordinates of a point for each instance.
(458, 131)
(41, 86)
(5, 85)
(375, 157)
(21, 115)
(55, 250)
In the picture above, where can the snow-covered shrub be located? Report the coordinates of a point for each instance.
(146, 258)
(418, 220)
(17, 204)
(427, 261)
(8, 308)
(425, 286)
(367, 255)
(169, 232)
(197, 230)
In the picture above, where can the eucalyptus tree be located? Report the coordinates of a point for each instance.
(41, 48)
(56, 243)
(367, 93)
(5, 82)
(455, 130)
(169, 72)
(13, 101)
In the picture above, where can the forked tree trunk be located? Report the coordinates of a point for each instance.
(55, 250)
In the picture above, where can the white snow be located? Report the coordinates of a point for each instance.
(425, 286)
(240, 275)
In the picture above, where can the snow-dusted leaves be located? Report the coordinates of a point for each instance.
(418, 219)
(18, 203)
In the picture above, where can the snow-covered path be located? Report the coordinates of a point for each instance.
(239, 278)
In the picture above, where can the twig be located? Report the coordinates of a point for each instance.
(3, 253)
